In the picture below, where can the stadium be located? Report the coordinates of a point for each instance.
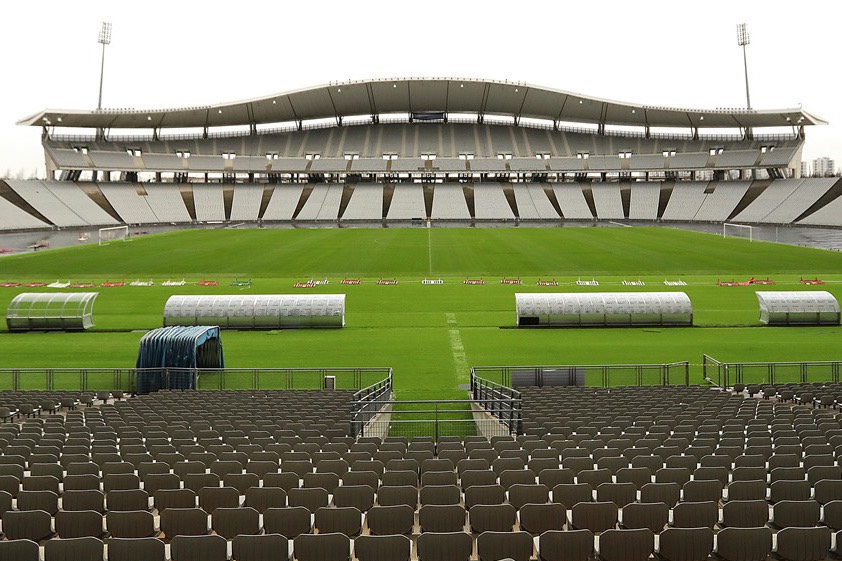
(462, 319)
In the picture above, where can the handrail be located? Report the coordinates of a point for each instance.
(92, 379)
(604, 372)
(726, 374)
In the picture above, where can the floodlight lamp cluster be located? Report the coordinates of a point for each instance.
(743, 38)
(105, 34)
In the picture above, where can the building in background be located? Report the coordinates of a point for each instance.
(824, 167)
(806, 168)
(820, 167)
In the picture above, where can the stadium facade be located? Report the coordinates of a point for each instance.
(421, 148)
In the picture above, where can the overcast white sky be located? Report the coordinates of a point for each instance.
(183, 53)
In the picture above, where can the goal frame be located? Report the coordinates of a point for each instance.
(744, 227)
(105, 240)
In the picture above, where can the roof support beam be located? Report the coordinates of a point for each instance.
(371, 103)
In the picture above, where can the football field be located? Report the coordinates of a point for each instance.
(431, 334)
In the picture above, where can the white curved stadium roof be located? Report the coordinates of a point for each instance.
(423, 95)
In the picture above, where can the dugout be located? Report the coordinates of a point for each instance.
(267, 311)
(168, 356)
(575, 309)
(63, 311)
(798, 307)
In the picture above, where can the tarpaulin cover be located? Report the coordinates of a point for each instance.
(187, 347)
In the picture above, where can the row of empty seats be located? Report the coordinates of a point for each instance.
(66, 204)
(62, 203)
(446, 140)
(733, 544)
(603, 472)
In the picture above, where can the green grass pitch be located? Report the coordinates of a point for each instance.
(431, 334)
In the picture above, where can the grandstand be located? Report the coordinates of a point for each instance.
(685, 200)
(532, 202)
(441, 149)
(407, 203)
(620, 474)
(449, 203)
(245, 206)
(721, 198)
(209, 203)
(490, 203)
(644, 201)
(366, 202)
(572, 201)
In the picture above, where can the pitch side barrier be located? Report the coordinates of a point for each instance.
(492, 410)
(727, 374)
(594, 375)
(102, 379)
(439, 419)
(499, 401)
(370, 402)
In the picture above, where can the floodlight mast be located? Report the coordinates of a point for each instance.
(743, 39)
(104, 39)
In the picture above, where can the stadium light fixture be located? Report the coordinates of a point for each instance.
(743, 39)
(103, 39)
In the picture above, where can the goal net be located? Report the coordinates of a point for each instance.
(114, 234)
(737, 231)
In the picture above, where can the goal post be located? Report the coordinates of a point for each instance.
(112, 234)
(737, 231)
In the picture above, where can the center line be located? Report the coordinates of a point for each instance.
(429, 250)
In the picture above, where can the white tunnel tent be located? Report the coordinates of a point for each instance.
(266, 311)
(800, 307)
(571, 309)
(63, 311)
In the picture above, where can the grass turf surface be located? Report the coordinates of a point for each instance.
(431, 335)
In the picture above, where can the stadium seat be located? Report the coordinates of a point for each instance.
(572, 545)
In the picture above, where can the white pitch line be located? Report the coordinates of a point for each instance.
(457, 349)
(429, 250)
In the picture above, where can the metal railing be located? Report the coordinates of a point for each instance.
(368, 403)
(436, 418)
(499, 401)
(288, 378)
(726, 374)
(95, 379)
(54, 379)
(598, 375)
